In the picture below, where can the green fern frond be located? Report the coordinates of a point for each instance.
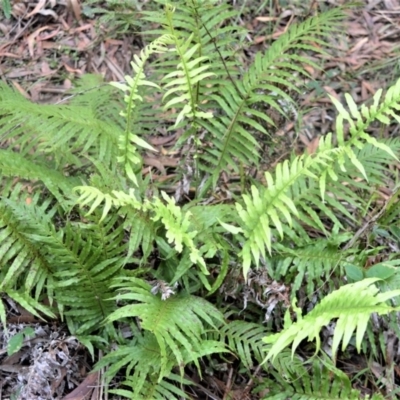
(272, 206)
(190, 71)
(269, 75)
(352, 305)
(142, 360)
(76, 273)
(375, 161)
(177, 224)
(210, 25)
(59, 131)
(95, 197)
(168, 388)
(127, 142)
(24, 265)
(314, 263)
(20, 231)
(178, 230)
(178, 323)
(292, 192)
(291, 379)
(33, 306)
(141, 357)
(245, 339)
(358, 122)
(13, 164)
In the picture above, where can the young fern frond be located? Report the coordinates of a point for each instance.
(127, 141)
(358, 123)
(178, 228)
(208, 25)
(190, 71)
(95, 197)
(177, 225)
(270, 205)
(352, 305)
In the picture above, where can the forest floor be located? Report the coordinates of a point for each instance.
(45, 46)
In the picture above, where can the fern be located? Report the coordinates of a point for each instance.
(94, 261)
(272, 205)
(244, 338)
(311, 265)
(177, 323)
(291, 379)
(55, 128)
(24, 267)
(352, 304)
(128, 141)
(141, 356)
(190, 72)
(177, 226)
(13, 164)
(270, 73)
(166, 389)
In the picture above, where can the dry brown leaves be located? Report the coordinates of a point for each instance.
(46, 44)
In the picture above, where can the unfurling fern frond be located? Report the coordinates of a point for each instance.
(177, 323)
(352, 305)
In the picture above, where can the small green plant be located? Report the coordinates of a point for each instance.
(6, 5)
(87, 235)
(15, 343)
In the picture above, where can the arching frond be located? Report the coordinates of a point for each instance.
(60, 131)
(351, 304)
(270, 74)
